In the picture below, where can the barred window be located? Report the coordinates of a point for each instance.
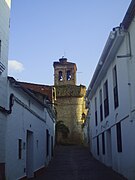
(106, 99)
(47, 142)
(97, 145)
(19, 148)
(103, 143)
(96, 120)
(115, 88)
(101, 106)
(119, 137)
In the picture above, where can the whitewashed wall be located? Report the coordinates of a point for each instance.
(123, 162)
(21, 120)
(4, 37)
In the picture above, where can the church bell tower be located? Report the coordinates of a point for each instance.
(69, 103)
(64, 72)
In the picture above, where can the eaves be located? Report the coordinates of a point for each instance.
(113, 43)
(17, 85)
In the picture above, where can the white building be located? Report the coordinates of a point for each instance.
(4, 42)
(27, 121)
(111, 100)
(30, 132)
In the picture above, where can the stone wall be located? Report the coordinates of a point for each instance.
(70, 105)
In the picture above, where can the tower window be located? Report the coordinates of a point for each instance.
(60, 76)
(68, 75)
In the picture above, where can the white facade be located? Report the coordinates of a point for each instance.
(112, 125)
(4, 42)
(30, 135)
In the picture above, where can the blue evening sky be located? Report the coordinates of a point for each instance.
(42, 31)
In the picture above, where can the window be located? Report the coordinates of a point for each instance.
(68, 75)
(52, 145)
(19, 148)
(103, 143)
(97, 145)
(106, 100)
(119, 137)
(101, 106)
(54, 93)
(96, 122)
(37, 143)
(115, 88)
(47, 142)
(60, 76)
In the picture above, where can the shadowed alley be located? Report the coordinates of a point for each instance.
(76, 163)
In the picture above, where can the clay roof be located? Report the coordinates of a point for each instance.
(44, 90)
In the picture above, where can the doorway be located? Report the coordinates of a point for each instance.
(52, 145)
(109, 147)
(29, 155)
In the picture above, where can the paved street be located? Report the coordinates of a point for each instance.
(76, 163)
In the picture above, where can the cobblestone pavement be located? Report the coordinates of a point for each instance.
(76, 163)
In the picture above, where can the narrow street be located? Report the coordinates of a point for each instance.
(76, 163)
